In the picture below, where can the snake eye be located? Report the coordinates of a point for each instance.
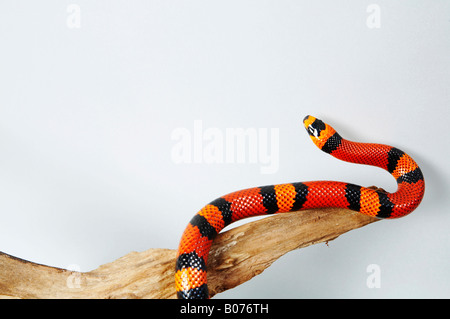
(312, 131)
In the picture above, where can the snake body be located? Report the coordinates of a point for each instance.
(193, 250)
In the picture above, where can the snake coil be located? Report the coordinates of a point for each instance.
(196, 241)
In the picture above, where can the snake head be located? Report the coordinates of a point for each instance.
(318, 130)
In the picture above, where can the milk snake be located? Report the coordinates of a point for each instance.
(193, 250)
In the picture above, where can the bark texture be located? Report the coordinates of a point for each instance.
(236, 256)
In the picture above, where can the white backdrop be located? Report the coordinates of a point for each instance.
(114, 118)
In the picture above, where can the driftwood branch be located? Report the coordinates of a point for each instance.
(237, 255)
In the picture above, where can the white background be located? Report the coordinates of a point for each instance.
(87, 113)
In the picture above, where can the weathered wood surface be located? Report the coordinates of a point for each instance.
(236, 256)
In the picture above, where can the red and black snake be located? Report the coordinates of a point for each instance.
(193, 250)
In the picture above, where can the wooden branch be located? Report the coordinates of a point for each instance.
(236, 256)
